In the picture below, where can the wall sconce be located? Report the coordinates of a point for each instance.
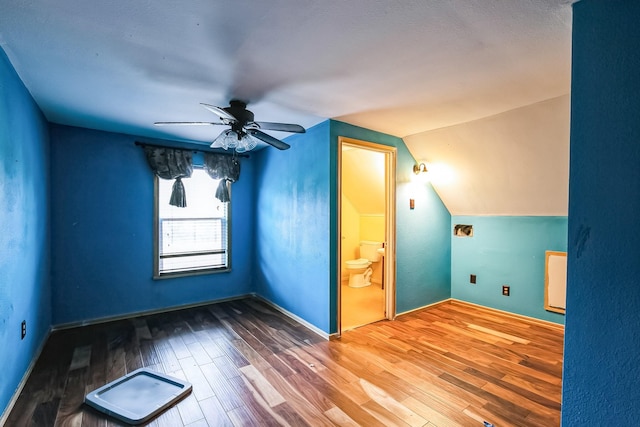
(420, 168)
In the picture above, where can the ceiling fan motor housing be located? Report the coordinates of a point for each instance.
(238, 109)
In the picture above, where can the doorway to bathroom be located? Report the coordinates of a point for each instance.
(366, 227)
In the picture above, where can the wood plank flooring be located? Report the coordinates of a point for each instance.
(449, 365)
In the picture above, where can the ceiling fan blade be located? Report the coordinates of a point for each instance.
(280, 145)
(187, 123)
(220, 112)
(283, 127)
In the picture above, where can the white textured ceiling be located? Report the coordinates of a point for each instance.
(401, 67)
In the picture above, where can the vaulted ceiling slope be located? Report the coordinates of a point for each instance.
(513, 163)
(402, 67)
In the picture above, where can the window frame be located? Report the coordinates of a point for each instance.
(156, 241)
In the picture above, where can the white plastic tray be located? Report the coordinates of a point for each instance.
(138, 396)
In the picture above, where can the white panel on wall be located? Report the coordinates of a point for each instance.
(555, 281)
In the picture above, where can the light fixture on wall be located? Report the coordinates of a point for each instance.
(418, 168)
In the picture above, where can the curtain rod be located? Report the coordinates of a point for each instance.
(190, 148)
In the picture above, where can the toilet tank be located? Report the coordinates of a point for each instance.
(369, 250)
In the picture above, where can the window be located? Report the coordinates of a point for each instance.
(194, 239)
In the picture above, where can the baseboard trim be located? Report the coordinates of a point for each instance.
(144, 313)
(529, 319)
(298, 319)
(434, 304)
(97, 321)
(489, 309)
(23, 381)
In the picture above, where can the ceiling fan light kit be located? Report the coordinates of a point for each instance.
(245, 133)
(241, 142)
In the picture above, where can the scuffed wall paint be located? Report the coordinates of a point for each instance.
(25, 292)
(292, 226)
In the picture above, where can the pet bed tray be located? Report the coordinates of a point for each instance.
(138, 396)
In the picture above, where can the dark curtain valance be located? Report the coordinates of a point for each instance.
(170, 163)
(224, 168)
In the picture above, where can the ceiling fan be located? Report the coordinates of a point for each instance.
(245, 133)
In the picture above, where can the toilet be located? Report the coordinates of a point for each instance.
(360, 269)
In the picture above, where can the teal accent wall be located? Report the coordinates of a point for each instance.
(25, 292)
(602, 333)
(506, 250)
(292, 226)
(102, 232)
(423, 243)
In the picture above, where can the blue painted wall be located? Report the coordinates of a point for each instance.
(102, 232)
(602, 334)
(296, 227)
(506, 250)
(292, 225)
(25, 292)
(423, 243)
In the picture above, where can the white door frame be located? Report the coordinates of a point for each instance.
(389, 259)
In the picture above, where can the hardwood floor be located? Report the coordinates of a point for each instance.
(448, 365)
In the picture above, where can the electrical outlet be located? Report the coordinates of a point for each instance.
(472, 278)
(23, 330)
(506, 290)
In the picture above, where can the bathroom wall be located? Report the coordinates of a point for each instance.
(372, 227)
(350, 234)
(363, 181)
(25, 289)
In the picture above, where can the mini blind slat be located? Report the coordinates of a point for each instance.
(189, 236)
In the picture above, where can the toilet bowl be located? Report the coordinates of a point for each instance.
(359, 272)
